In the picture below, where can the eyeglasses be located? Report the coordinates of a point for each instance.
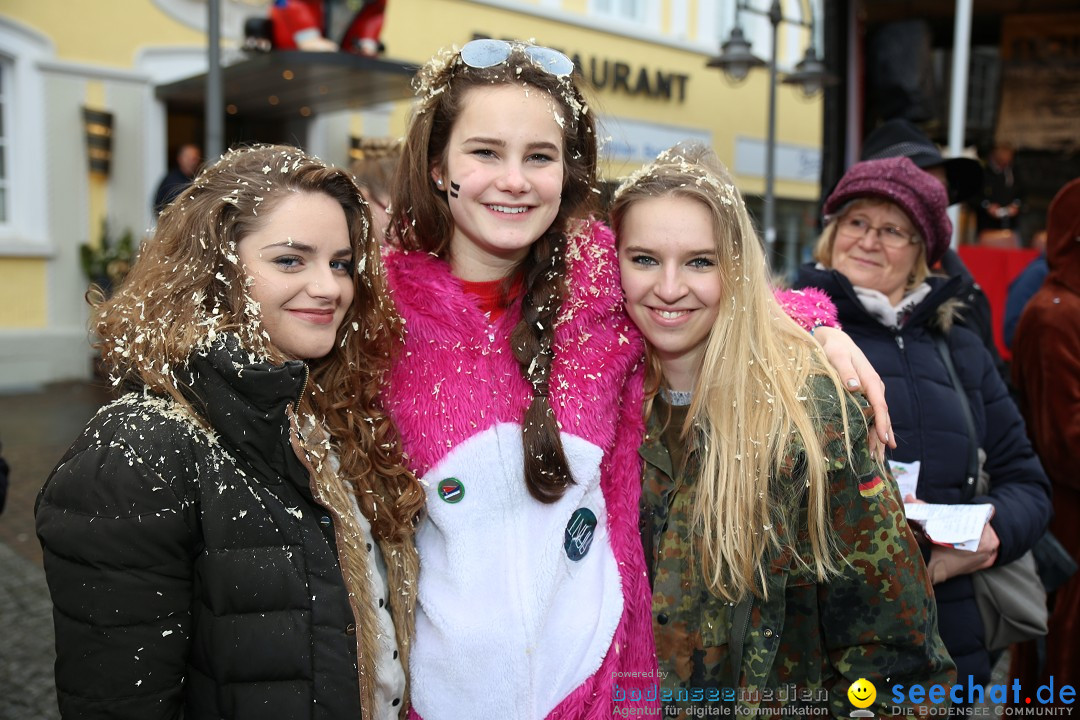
(487, 53)
(891, 236)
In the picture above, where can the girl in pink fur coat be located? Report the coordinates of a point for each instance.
(518, 398)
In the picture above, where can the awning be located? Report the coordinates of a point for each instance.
(289, 84)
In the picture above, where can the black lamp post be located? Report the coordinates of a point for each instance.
(736, 60)
(215, 90)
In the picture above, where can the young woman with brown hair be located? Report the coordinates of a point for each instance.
(233, 536)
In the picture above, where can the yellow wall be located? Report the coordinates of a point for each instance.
(23, 293)
(101, 32)
(711, 102)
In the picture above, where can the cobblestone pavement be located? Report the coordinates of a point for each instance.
(36, 426)
(26, 680)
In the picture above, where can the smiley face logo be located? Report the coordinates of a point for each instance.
(862, 693)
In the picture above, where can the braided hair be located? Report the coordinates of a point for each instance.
(421, 220)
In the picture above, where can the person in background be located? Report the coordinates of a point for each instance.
(1046, 373)
(373, 169)
(771, 532)
(188, 158)
(886, 226)
(1001, 201)
(1023, 288)
(233, 536)
(302, 25)
(4, 470)
(962, 179)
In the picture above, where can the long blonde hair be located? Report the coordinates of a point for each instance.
(750, 407)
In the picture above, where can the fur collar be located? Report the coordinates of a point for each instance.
(938, 310)
(428, 294)
(457, 374)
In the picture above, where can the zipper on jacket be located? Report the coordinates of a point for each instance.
(303, 389)
(900, 341)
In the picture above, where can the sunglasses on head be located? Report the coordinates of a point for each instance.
(487, 53)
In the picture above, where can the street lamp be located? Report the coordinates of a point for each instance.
(736, 60)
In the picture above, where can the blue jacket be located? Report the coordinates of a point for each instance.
(1022, 289)
(929, 426)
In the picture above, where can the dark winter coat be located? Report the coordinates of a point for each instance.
(974, 311)
(1046, 368)
(1046, 355)
(929, 426)
(192, 573)
(174, 183)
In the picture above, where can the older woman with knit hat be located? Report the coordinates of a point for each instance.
(885, 227)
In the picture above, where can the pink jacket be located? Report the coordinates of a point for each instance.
(526, 610)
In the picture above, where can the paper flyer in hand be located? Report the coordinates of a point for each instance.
(960, 526)
(906, 475)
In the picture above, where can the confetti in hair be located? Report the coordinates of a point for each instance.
(437, 75)
(691, 161)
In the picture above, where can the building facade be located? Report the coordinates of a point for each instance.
(63, 63)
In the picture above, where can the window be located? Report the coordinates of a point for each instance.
(5, 83)
(24, 220)
(633, 10)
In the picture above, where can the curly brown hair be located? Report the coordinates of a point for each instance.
(187, 289)
(421, 220)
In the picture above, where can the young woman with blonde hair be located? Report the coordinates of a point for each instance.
(777, 549)
(232, 537)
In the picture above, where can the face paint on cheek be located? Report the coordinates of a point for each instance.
(454, 188)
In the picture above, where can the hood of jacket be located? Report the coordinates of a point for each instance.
(1063, 237)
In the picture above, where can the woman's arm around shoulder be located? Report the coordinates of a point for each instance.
(878, 615)
(815, 312)
(118, 542)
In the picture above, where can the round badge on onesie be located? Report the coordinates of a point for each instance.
(579, 533)
(451, 490)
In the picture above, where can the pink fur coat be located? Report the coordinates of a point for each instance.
(526, 610)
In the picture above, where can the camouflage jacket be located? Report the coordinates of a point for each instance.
(809, 641)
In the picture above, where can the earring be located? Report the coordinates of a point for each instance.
(439, 182)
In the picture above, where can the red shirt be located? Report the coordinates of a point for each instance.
(493, 296)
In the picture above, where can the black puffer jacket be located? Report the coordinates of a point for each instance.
(192, 574)
(974, 313)
(929, 425)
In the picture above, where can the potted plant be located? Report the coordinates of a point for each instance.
(107, 262)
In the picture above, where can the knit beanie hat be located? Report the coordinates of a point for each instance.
(898, 180)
